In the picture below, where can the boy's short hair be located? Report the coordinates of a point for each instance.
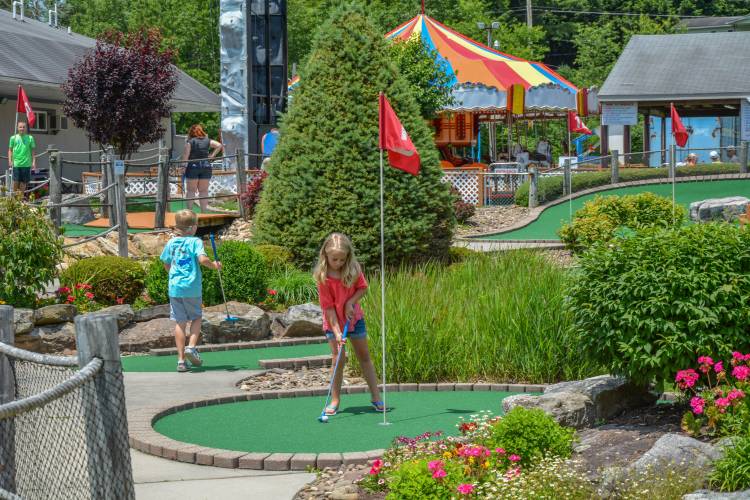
(185, 219)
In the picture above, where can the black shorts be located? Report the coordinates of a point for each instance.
(198, 170)
(22, 174)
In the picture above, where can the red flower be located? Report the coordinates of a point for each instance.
(63, 290)
(272, 292)
(89, 295)
(71, 299)
(120, 300)
(79, 286)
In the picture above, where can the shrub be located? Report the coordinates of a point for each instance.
(531, 434)
(113, 279)
(464, 211)
(324, 174)
(294, 287)
(551, 188)
(30, 251)
(277, 257)
(732, 471)
(157, 283)
(644, 305)
(551, 478)
(244, 272)
(600, 218)
(414, 479)
(460, 254)
(251, 196)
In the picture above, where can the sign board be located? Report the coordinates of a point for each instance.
(573, 161)
(119, 167)
(745, 119)
(620, 114)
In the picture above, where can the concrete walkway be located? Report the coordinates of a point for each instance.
(162, 479)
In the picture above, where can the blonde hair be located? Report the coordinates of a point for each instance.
(185, 219)
(351, 269)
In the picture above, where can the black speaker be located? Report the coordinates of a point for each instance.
(266, 69)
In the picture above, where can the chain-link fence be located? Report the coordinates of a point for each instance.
(63, 427)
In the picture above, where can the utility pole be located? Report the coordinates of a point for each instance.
(529, 20)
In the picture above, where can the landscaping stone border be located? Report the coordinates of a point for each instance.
(322, 361)
(255, 344)
(143, 437)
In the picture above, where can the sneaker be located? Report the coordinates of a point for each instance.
(182, 367)
(191, 353)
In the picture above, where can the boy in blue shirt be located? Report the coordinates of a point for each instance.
(182, 257)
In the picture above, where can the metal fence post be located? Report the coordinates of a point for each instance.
(533, 197)
(241, 180)
(162, 189)
(7, 394)
(744, 156)
(55, 186)
(566, 177)
(9, 181)
(615, 164)
(109, 453)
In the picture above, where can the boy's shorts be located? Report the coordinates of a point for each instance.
(182, 309)
(22, 174)
(360, 331)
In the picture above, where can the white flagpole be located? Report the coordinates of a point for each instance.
(382, 283)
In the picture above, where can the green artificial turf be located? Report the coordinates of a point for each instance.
(78, 230)
(550, 221)
(238, 359)
(291, 425)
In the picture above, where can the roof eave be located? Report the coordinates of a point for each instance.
(669, 97)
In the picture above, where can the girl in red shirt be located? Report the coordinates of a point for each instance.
(341, 284)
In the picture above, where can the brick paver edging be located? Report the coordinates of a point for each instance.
(535, 213)
(144, 438)
(256, 344)
(322, 361)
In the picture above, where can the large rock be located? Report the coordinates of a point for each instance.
(54, 314)
(304, 320)
(610, 395)
(123, 312)
(678, 449)
(718, 208)
(715, 495)
(153, 334)
(251, 323)
(571, 409)
(235, 308)
(149, 313)
(77, 214)
(51, 338)
(150, 245)
(24, 321)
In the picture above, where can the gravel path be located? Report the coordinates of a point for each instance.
(491, 219)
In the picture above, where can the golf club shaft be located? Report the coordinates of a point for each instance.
(335, 369)
(221, 283)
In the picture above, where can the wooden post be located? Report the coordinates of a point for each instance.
(109, 453)
(663, 139)
(646, 140)
(615, 165)
(162, 189)
(241, 179)
(7, 394)
(744, 145)
(122, 215)
(566, 177)
(480, 188)
(626, 145)
(533, 197)
(604, 141)
(55, 185)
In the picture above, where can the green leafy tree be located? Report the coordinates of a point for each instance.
(324, 172)
(521, 41)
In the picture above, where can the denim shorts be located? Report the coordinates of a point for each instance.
(360, 331)
(182, 309)
(198, 170)
(22, 174)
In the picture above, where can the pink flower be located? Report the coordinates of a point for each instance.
(741, 372)
(70, 299)
(374, 471)
(120, 300)
(89, 295)
(513, 473)
(63, 290)
(514, 458)
(435, 465)
(738, 356)
(697, 403)
(465, 489)
(377, 463)
(719, 367)
(686, 378)
(705, 360)
(500, 451)
(735, 394)
(722, 404)
(438, 474)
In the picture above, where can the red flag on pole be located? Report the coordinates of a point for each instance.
(24, 106)
(575, 124)
(678, 129)
(393, 138)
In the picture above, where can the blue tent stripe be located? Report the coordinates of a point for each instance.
(553, 78)
(441, 61)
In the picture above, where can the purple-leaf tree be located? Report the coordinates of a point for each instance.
(119, 92)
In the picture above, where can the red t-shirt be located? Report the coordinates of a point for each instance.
(335, 294)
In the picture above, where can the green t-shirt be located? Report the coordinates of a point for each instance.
(22, 146)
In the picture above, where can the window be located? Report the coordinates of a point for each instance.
(42, 122)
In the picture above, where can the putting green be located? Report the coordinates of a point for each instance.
(551, 219)
(238, 359)
(291, 425)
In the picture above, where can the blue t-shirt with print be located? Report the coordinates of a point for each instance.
(182, 253)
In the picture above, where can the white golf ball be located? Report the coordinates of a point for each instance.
(324, 418)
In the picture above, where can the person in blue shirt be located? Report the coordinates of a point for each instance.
(269, 141)
(182, 257)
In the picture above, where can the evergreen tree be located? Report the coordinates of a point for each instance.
(324, 173)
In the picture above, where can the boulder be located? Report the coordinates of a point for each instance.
(141, 337)
(52, 338)
(23, 320)
(54, 314)
(610, 395)
(718, 208)
(251, 323)
(28, 342)
(77, 214)
(235, 308)
(678, 449)
(123, 312)
(571, 409)
(715, 495)
(153, 312)
(150, 245)
(305, 320)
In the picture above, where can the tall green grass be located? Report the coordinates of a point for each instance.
(498, 317)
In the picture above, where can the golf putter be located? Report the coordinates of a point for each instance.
(221, 283)
(323, 418)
